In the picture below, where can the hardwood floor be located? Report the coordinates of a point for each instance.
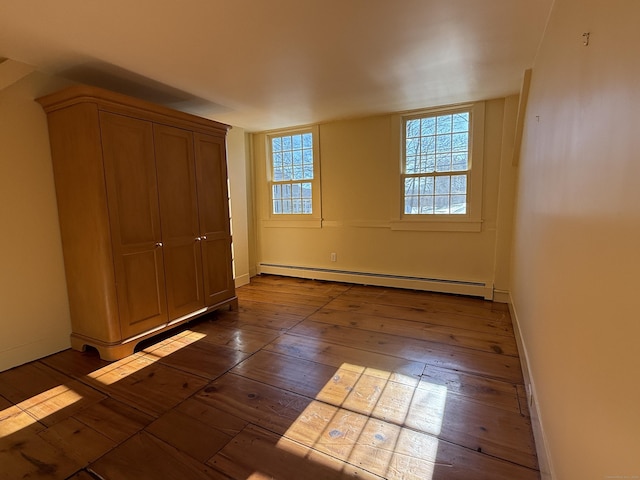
(308, 380)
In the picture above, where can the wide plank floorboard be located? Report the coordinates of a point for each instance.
(306, 379)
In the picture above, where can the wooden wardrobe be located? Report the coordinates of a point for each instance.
(144, 216)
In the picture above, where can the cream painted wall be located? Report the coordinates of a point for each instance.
(359, 162)
(237, 165)
(577, 239)
(34, 312)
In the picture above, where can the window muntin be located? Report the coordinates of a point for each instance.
(292, 173)
(436, 163)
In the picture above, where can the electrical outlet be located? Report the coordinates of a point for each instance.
(334, 257)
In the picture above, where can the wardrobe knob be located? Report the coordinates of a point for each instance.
(158, 244)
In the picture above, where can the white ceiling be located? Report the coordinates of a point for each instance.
(264, 64)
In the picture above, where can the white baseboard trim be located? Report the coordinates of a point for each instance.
(242, 280)
(501, 296)
(542, 448)
(28, 352)
(476, 289)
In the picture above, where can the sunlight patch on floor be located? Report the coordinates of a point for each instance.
(13, 419)
(379, 421)
(25, 414)
(132, 364)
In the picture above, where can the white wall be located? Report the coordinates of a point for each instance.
(577, 239)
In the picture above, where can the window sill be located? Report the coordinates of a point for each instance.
(438, 225)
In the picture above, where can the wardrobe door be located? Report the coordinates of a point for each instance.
(175, 165)
(132, 198)
(213, 207)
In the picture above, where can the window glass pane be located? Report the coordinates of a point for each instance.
(426, 204)
(306, 207)
(460, 142)
(428, 126)
(307, 140)
(276, 192)
(286, 206)
(307, 156)
(430, 146)
(461, 122)
(287, 173)
(297, 173)
(278, 174)
(458, 204)
(277, 206)
(297, 157)
(286, 143)
(444, 124)
(307, 172)
(276, 144)
(410, 165)
(442, 204)
(411, 186)
(413, 128)
(430, 164)
(412, 146)
(460, 161)
(426, 185)
(306, 190)
(458, 184)
(411, 205)
(443, 162)
(443, 143)
(443, 185)
(296, 141)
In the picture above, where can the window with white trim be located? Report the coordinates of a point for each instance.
(437, 163)
(441, 167)
(294, 174)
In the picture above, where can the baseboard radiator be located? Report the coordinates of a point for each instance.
(476, 289)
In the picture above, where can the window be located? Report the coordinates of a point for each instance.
(436, 164)
(441, 172)
(294, 174)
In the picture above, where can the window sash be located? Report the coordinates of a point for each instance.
(293, 173)
(436, 150)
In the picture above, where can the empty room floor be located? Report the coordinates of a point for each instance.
(307, 380)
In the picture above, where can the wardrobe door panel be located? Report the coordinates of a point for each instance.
(175, 164)
(213, 202)
(132, 198)
(218, 274)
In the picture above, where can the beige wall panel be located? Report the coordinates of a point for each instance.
(238, 171)
(360, 162)
(576, 261)
(34, 318)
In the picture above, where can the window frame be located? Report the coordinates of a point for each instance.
(472, 219)
(313, 219)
